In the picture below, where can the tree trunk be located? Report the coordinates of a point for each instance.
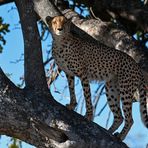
(31, 114)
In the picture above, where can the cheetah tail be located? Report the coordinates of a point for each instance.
(143, 92)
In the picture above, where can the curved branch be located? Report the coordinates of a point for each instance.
(13, 112)
(136, 16)
(18, 107)
(43, 123)
(124, 11)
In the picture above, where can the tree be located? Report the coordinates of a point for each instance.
(31, 114)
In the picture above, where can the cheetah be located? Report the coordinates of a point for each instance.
(89, 62)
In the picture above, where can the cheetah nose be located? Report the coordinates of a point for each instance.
(60, 29)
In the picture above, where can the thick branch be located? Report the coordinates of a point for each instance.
(6, 85)
(34, 71)
(136, 16)
(3, 2)
(12, 113)
(45, 123)
(133, 14)
(21, 107)
(45, 8)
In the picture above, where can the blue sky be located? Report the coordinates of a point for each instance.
(137, 137)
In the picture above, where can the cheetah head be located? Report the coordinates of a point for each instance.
(58, 24)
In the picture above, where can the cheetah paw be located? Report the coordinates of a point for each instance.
(71, 106)
(117, 135)
(89, 117)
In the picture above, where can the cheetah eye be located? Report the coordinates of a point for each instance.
(54, 22)
(65, 22)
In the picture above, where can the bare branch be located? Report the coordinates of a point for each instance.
(50, 132)
(109, 113)
(45, 8)
(126, 12)
(101, 110)
(97, 98)
(20, 59)
(20, 106)
(43, 123)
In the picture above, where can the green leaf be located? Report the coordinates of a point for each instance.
(13, 146)
(4, 29)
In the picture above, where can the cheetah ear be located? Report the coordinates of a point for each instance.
(48, 20)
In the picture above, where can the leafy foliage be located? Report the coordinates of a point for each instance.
(4, 28)
(15, 143)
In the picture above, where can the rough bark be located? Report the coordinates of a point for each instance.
(31, 114)
(132, 14)
(41, 121)
(32, 47)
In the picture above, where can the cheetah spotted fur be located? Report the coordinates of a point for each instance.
(89, 62)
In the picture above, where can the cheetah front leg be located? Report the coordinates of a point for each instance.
(73, 101)
(87, 95)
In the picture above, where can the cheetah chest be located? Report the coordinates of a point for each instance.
(61, 59)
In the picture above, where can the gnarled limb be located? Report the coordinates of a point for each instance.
(43, 122)
(31, 114)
